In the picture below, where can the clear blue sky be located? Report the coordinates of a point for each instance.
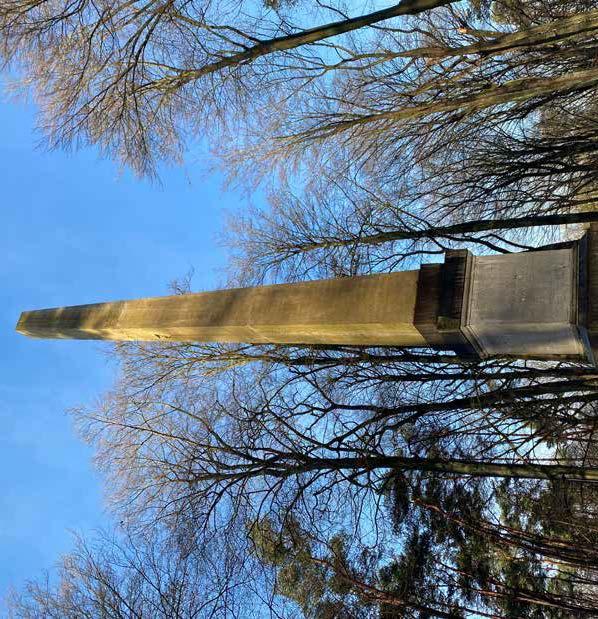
(73, 229)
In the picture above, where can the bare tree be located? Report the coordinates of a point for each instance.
(192, 432)
(411, 149)
(343, 227)
(136, 78)
(147, 573)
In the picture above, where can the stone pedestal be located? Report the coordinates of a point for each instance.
(527, 305)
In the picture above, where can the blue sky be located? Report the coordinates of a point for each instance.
(74, 229)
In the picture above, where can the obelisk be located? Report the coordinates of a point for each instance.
(376, 309)
(535, 304)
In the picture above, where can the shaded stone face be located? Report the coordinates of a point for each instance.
(535, 304)
(525, 304)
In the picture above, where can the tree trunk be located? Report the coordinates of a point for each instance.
(545, 34)
(305, 37)
(471, 468)
(433, 232)
(517, 90)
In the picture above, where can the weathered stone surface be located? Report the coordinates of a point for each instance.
(375, 309)
(525, 304)
(592, 286)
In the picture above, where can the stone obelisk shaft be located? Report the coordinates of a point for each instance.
(369, 310)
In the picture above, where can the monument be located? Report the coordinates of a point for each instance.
(535, 304)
